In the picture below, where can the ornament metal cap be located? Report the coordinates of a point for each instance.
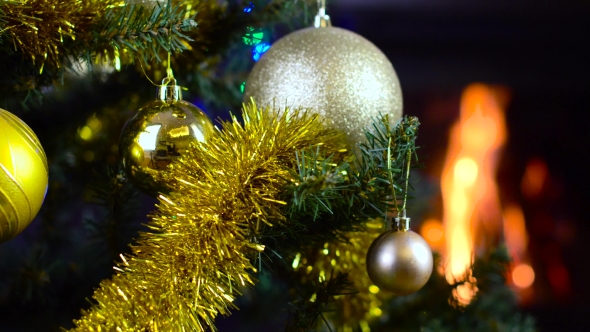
(169, 91)
(322, 20)
(402, 224)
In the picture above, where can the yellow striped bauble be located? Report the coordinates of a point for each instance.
(23, 175)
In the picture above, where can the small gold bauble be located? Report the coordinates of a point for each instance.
(399, 261)
(23, 175)
(158, 133)
(339, 74)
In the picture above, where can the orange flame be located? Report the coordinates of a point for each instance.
(469, 191)
(516, 239)
(515, 234)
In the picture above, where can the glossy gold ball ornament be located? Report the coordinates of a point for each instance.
(157, 134)
(339, 74)
(23, 175)
(399, 261)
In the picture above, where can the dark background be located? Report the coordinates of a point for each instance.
(539, 51)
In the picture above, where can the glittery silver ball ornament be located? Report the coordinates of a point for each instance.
(339, 74)
(399, 261)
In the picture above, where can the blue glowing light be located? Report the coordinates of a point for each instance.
(249, 8)
(259, 50)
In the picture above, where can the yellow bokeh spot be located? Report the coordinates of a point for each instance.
(94, 123)
(364, 326)
(376, 312)
(296, 260)
(85, 133)
(313, 298)
(373, 289)
(117, 60)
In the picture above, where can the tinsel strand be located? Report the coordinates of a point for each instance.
(38, 28)
(188, 269)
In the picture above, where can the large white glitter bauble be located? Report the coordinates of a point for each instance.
(338, 73)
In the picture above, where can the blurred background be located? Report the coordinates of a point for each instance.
(526, 62)
(532, 58)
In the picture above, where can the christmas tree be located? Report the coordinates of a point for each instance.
(271, 212)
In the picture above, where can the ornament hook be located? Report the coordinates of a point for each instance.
(400, 223)
(322, 19)
(169, 91)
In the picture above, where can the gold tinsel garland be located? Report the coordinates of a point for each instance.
(186, 271)
(37, 28)
(42, 29)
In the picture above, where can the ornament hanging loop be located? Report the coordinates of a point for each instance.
(169, 91)
(402, 223)
(169, 73)
(322, 20)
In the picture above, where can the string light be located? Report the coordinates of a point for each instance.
(259, 50)
(249, 8)
(253, 36)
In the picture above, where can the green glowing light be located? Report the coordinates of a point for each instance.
(253, 36)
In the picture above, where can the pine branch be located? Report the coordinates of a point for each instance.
(306, 313)
(320, 181)
(136, 29)
(53, 32)
(22, 81)
(105, 32)
(41, 38)
(109, 236)
(28, 282)
(334, 196)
